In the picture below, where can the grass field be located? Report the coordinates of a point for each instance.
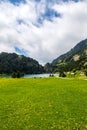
(43, 104)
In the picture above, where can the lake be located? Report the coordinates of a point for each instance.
(5, 76)
(31, 76)
(39, 75)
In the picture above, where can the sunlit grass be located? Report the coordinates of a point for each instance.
(43, 104)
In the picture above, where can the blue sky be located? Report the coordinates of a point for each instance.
(18, 1)
(42, 29)
(49, 13)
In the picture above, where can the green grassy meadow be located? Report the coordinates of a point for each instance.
(43, 104)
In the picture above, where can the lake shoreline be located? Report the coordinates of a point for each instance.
(32, 75)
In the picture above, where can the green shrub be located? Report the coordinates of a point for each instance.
(17, 74)
(86, 72)
(62, 74)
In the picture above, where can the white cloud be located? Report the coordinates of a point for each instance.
(18, 28)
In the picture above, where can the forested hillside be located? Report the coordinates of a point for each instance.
(75, 59)
(11, 62)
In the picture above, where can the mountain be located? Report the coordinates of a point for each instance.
(11, 62)
(76, 58)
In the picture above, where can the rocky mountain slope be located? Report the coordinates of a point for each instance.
(76, 58)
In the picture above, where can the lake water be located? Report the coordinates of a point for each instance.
(31, 76)
(39, 75)
(4, 76)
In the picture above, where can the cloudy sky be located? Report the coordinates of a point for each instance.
(42, 29)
